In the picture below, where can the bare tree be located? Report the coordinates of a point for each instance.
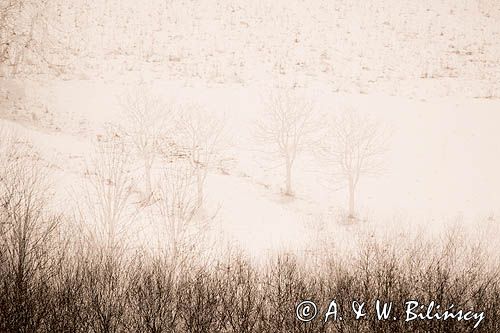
(354, 146)
(105, 220)
(105, 211)
(145, 123)
(27, 241)
(177, 206)
(200, 136)
(286, 130)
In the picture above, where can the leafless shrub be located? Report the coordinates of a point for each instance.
(199, 310)
(154, 297)
(67, 308)
(105, 291)
(286, 283)
(28, 258)
(242, 297)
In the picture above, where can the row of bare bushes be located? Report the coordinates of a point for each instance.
(96, 292)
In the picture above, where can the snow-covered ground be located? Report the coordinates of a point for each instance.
(442, 165)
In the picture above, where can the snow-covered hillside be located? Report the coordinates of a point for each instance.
(442, 164)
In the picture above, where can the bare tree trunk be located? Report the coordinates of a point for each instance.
(111, 239)
(288, 188)
(172, 246)
(147, 169)
(199, 183)
(352, 212)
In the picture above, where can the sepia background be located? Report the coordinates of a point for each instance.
(202, 166)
